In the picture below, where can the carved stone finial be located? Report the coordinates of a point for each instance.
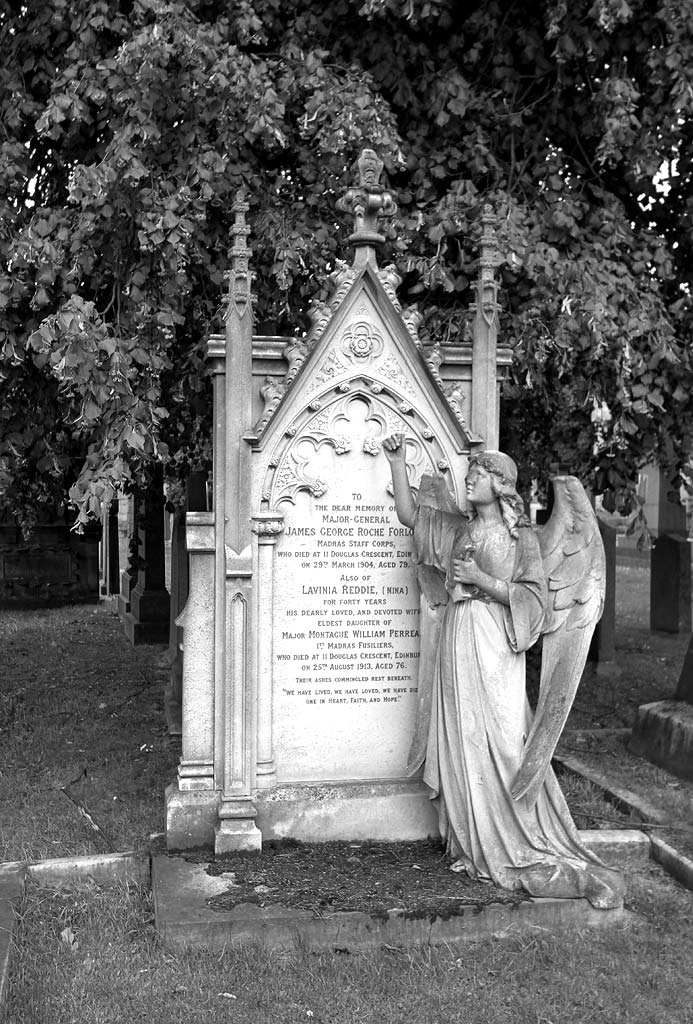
(368, 201)
(490, 256)
(486, 305)
(239, 255)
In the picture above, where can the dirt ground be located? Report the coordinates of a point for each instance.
(85, 754)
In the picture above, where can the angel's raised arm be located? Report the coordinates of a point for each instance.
(405, 505)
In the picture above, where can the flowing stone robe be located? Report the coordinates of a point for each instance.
(480, 719)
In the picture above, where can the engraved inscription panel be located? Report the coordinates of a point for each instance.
(346, 607)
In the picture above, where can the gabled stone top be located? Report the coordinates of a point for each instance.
(370, 202)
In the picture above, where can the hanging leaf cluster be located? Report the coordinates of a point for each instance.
(129, 125)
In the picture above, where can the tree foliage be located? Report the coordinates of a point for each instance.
(128, 126)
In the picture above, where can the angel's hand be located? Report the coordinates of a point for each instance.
(465, 570)
(394, 448)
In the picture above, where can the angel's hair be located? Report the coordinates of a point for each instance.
(503, 473)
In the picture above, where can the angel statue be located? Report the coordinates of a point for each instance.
(493, 585)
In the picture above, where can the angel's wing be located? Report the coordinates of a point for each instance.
(433, 491)
(573, 556)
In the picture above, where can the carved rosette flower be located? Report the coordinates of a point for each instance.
(362, 342)
(317, 488)
(361, 345)
(372, 446)
(341, 444)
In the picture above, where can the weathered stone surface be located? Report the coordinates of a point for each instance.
(54, 566)
(673, 862)
(184, 920)
(663, 734)
(670, 584)
(388, 810)
(603, 646)
(147, 621)
(684, 688)
(301, 642)
(618, 846)
(104, 868)
(191, 816)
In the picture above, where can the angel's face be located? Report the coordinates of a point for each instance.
(479, 486)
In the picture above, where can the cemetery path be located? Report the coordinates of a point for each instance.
(85, 754)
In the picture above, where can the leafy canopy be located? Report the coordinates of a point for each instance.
(128, 126)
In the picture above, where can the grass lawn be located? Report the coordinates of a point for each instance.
(88, 955)
(83, 741)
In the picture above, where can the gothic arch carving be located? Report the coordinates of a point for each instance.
(351, 416)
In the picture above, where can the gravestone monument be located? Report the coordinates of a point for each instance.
(663, 730)
(301, 632)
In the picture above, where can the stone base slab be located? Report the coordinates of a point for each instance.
(191, 817)
(618, 847)
(663, 734)
(390, 811)
(673, 862)
(236, 838)
(148, 632)
(184, 920)
(396, 811)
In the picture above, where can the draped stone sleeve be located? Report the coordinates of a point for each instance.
(434, 536)
(528, 593)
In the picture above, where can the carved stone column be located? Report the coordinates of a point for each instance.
(191, 802)
(485, 387)
(180, 586)
(235, 684)
(268, 526)
(180, 582)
